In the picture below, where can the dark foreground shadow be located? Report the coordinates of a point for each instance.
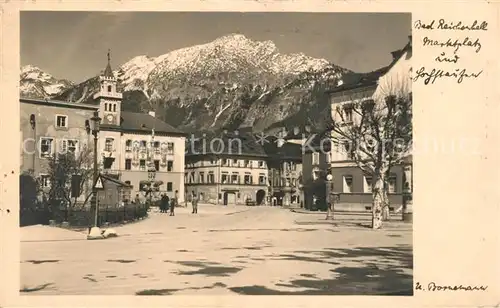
(381, 272)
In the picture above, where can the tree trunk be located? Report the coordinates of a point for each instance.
(378, 201)
(385, 210)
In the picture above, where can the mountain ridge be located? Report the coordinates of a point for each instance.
(228, 83)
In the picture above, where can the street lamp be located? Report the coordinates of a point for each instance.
(151, 166)
(329, 199)
(95, 232)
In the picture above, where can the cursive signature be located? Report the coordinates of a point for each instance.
(430, 77)
(432, 286)
(444, 25)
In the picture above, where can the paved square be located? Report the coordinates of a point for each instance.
(222, 250)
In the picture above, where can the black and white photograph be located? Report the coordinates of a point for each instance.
(215, 153)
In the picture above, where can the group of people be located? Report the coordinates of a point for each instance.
(166, 203)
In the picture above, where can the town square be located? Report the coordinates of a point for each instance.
(214, 162)
(221, 251)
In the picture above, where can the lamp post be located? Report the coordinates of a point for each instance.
(151, 166)
(329, 199)
(95, 232)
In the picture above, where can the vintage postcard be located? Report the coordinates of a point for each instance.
(220, 153)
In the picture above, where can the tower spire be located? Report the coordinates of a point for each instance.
(108, 72)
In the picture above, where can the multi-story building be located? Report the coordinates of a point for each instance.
(226, 168)
(47, 127)
(284, 163)
(349, 180)
(129, 143)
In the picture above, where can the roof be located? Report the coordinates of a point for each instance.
(243, 143)
(57, 103)
(288, 150)
(116, 181)
(143, 122)
(108, 72)
(361, 80)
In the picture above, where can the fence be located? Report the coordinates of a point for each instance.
(111, 215)
(84, 217)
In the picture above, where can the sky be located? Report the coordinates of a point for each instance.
(73, 45)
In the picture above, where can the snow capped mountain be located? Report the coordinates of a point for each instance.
(34, 82)
(233, 53)
(230, 82)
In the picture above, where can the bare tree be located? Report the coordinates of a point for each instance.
(61, 169)
(375, 129)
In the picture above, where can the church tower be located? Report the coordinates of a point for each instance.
(108, 97)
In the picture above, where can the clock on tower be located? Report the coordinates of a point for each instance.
(110, 119)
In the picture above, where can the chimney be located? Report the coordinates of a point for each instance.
(152, 113)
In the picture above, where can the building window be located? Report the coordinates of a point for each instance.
(46, 147)
(368, 184)
(262, 179)
(315, 158)
(143, 143)
(235, 178)
(156, 146)
(391, 182)
(128, 164)
(235, 162)
(224, 162)
(248, 179)
(191, 178)
(114, 107)
(212, 161)
(44, 180)
(109, 88)
(108, 145)
(261, 164)
(170, 165)
(348, 109)
(224, 178)
(347, 184)
(128, 145)
(211, 177)
(61, 121)
(185, 177)
(202, 177)
(105, 106)
(142, 164)
(72, 146)
(169, 186)
(247, 163)
(315, 173)
(170, 148)
(157, 164)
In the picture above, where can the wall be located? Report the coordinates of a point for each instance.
(211, 190)
(135, 175)
(46, 127)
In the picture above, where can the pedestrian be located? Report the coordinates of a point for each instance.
(167, 203)
(137, 201)
(194, 202)
(173, 203)
(162, 203)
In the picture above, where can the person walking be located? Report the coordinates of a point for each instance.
(163, 205)
(173, 203)
(194, 202)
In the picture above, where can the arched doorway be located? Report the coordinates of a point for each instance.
(259, 197)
